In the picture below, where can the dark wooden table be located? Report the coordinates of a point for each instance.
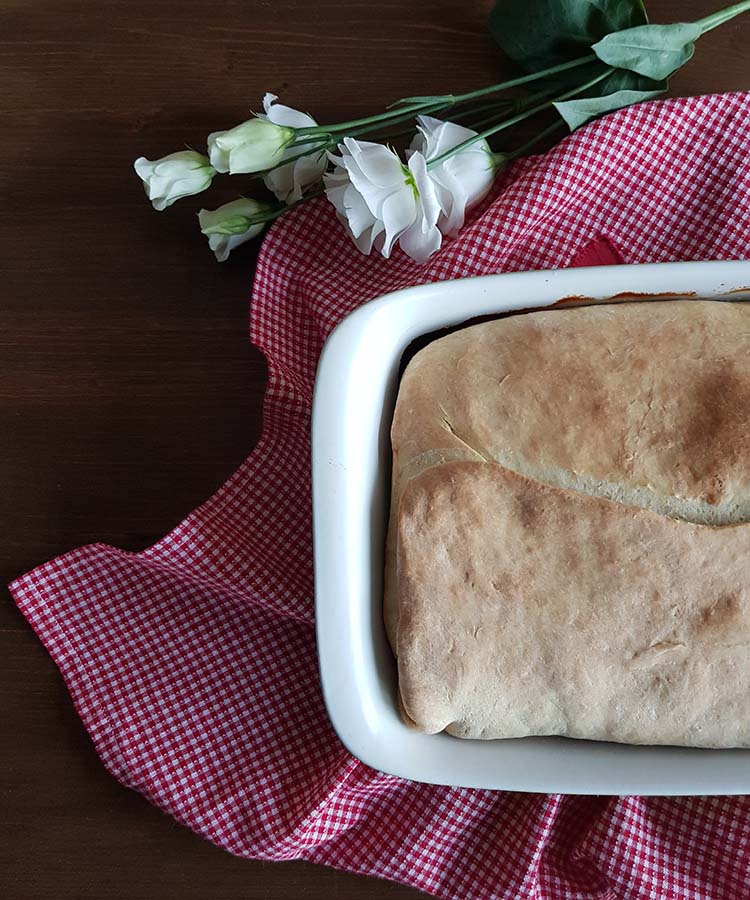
(129, 389)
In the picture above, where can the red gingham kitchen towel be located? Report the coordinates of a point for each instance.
(193, 663)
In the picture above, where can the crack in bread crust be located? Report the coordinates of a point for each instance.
(643, 408)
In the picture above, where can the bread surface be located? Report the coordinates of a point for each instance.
(567, 550)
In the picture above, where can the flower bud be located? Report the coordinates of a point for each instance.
(232, 224)
(178, 175)
(253, 146)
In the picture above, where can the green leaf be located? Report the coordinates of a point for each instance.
(538, 34)
(578, 112)
(619, 80)
(623, 80)
(655, 51)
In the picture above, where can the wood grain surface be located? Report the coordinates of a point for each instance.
(129, 390)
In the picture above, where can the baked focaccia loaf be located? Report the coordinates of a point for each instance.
(568, 550)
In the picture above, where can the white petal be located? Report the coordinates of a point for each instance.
(179, 163)
(363, 242)
(399, 212)
(252, 146)
(381, 201)
(440, 136)
(244, 206)
(352, 210)
(474, 167)
(373, 195)
(281, 181)
(186, 187)
(422, 238)
(160, 203)
(452, 198)
(451, 210)
(336, 186)
(144, 167)
(418, 144)
(418, 244)
(249, 158)
(430, 208)
(218, 243)
(157, 187)
(308, 171)
(268, 100)
(289, 181)
(285, 115)
(358, 215)
(218, 156)
(373, 163)
(223, 244)
(174, 176)
(461, 180)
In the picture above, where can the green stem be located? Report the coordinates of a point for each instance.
(500, 107)
(524, 148)
(722, 16)
(315, 148)
(265, 218)
(370, 120)
(517, 105)
(514, 120)
(496, 104)
(396, 120)
(444, 101)
(287, 206)
(428, 110)
(487, 120)
(526, 79)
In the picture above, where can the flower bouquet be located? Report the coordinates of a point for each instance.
(581, 58)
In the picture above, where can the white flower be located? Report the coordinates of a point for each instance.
(462, 180)
(289, 181)
(232, 224)
(171, 177)
(381, 201)
(253, 146)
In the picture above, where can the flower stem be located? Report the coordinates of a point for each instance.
(524, 148)
(403, 112)
(396, 120)
(722, 15)
(427, 110)
(514, 120)
(320, 147)
(443, 101)
(517, 106)
(287, 206)
(266, 217)
(526, 79)
(496, 105)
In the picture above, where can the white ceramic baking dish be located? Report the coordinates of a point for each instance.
(354, 397)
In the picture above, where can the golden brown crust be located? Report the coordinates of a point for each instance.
(527, 609)
(643, 393)
(647, 404)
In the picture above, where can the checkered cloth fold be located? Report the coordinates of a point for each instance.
(193, 663)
